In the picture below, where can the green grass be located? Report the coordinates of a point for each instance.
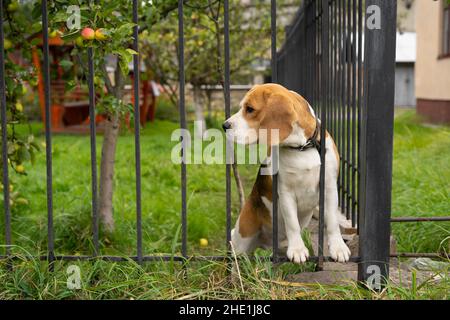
(205, 280)
(421, 175)
(160, 197)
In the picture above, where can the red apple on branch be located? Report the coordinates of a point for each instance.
(88, 34)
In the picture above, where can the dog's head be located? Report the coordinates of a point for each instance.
(266, 110)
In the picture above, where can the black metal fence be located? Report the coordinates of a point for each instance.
(353, 92)
(345, 69)
(322, 59)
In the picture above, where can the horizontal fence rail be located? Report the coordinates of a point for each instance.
(332, 58)
(420, 219)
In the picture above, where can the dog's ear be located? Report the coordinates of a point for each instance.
(305, 119)
(279, 115)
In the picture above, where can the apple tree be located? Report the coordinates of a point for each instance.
(106, 26)
(204, 30)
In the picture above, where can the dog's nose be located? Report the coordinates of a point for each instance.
(226, 125)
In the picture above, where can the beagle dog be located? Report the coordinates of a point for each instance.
(273, 107)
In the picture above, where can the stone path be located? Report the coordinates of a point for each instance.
(339, 273)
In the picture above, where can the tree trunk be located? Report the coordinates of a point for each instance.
(209, 103)
(199, 116)
(111, 134)
(239, 185)
(107, 173)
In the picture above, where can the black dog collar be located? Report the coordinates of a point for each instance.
(312, 142)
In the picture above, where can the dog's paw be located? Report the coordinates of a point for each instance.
(339, 250)
(297, 254)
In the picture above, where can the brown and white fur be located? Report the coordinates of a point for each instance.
(271, 106)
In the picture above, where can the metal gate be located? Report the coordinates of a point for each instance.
(333, 57)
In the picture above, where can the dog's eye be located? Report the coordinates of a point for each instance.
(249, 109)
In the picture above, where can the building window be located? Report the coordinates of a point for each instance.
(446, 32)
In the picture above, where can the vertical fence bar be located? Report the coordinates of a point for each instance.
(183, 126)
(273, 32)
(330, 124)
(273, 29)
(5, 178)
(344, 102)
(324, 106)
(137, 132)
(360, 25)
(348, 109)
(319, 56)
(312, 50)
(354, 88)
(310, 62)
(377, 144)
(227, 113)
(339, 99)
(306, 59)
(317, 53)
(48, 136)
(336, 68)
(93, 142)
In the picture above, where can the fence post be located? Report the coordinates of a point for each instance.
(377, 142)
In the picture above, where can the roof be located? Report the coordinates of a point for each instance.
(406, 47)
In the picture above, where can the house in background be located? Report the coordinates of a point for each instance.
(405, 54)
(405, 59)
(433, 60)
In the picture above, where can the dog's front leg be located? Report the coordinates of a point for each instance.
(337, 247)
(297, 251)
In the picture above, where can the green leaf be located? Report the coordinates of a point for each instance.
(35, 146)
(131, 51)
(23, 154)
(32, 156)
(11, 148)
(124, 66)
(70, 85)
(60, 16)
(35, 41)
(37, 11)
(71, 36)
(123, 31)
(66, 64)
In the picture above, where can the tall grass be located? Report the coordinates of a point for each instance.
(420, 187)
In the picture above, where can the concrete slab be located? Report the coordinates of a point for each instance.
(344, 273)
(325, 277)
